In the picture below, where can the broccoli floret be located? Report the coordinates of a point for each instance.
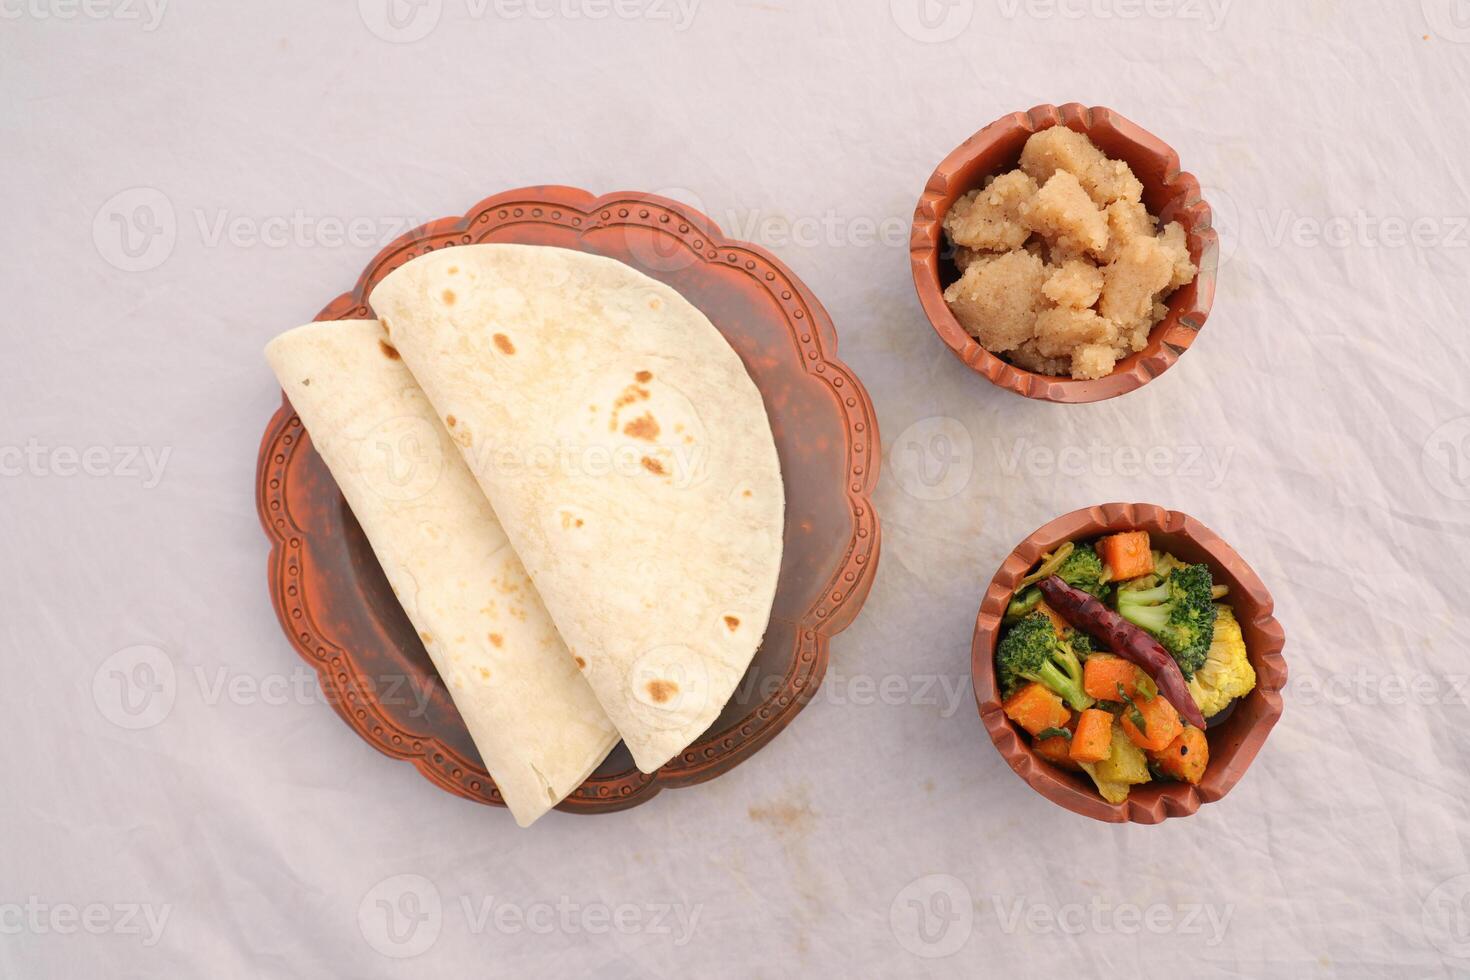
(1077, 565)
(1081, 643)
(1083, 570)
(1023, 603)
(1031, 650)
(1180, 613)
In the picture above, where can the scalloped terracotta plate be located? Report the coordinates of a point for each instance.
(341, 617)
(1168, 193)
(1235, 736)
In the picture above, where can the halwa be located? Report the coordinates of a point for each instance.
(1063, 270)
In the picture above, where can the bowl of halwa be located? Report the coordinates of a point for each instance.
(1062, 253)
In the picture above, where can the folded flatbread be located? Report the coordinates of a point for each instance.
(529, 710)
(628, 455)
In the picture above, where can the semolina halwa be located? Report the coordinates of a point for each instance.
(1063, 270)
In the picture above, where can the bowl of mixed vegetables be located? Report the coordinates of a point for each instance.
(1127, 664)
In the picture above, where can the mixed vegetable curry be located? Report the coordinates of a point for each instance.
(1115, 655)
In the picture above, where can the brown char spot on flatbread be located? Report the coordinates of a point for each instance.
(451, 421)
(644, 427)
(661, 691)
(497, 639)
(426, 638)
(653, 466)
(484, 673)
(581, 664)
(643, 377)
(732, 623)
(453, 270)
(631, 394)
(389, 351)
(448, 297)
(503, 342)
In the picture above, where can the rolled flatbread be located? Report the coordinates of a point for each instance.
(628, 455)
(529, 710)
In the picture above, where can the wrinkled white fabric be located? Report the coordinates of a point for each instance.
(176, 196)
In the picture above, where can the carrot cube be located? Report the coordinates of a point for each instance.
(1103, 673)
(1057, 749)
(1093, 740)
(1035, 709)
(1160, 723)
(1126, 555)
(1186, 757)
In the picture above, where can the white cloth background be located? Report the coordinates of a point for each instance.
(1321, 423)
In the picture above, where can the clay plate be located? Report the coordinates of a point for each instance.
(1235, 736)
(1168, 193)
(340, 615)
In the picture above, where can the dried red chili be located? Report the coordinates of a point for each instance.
(1089, 615)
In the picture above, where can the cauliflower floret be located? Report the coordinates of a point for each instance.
(1227, 673)
(1125, 766)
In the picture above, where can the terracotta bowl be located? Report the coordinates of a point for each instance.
(1167, 192)
(1235, 736)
